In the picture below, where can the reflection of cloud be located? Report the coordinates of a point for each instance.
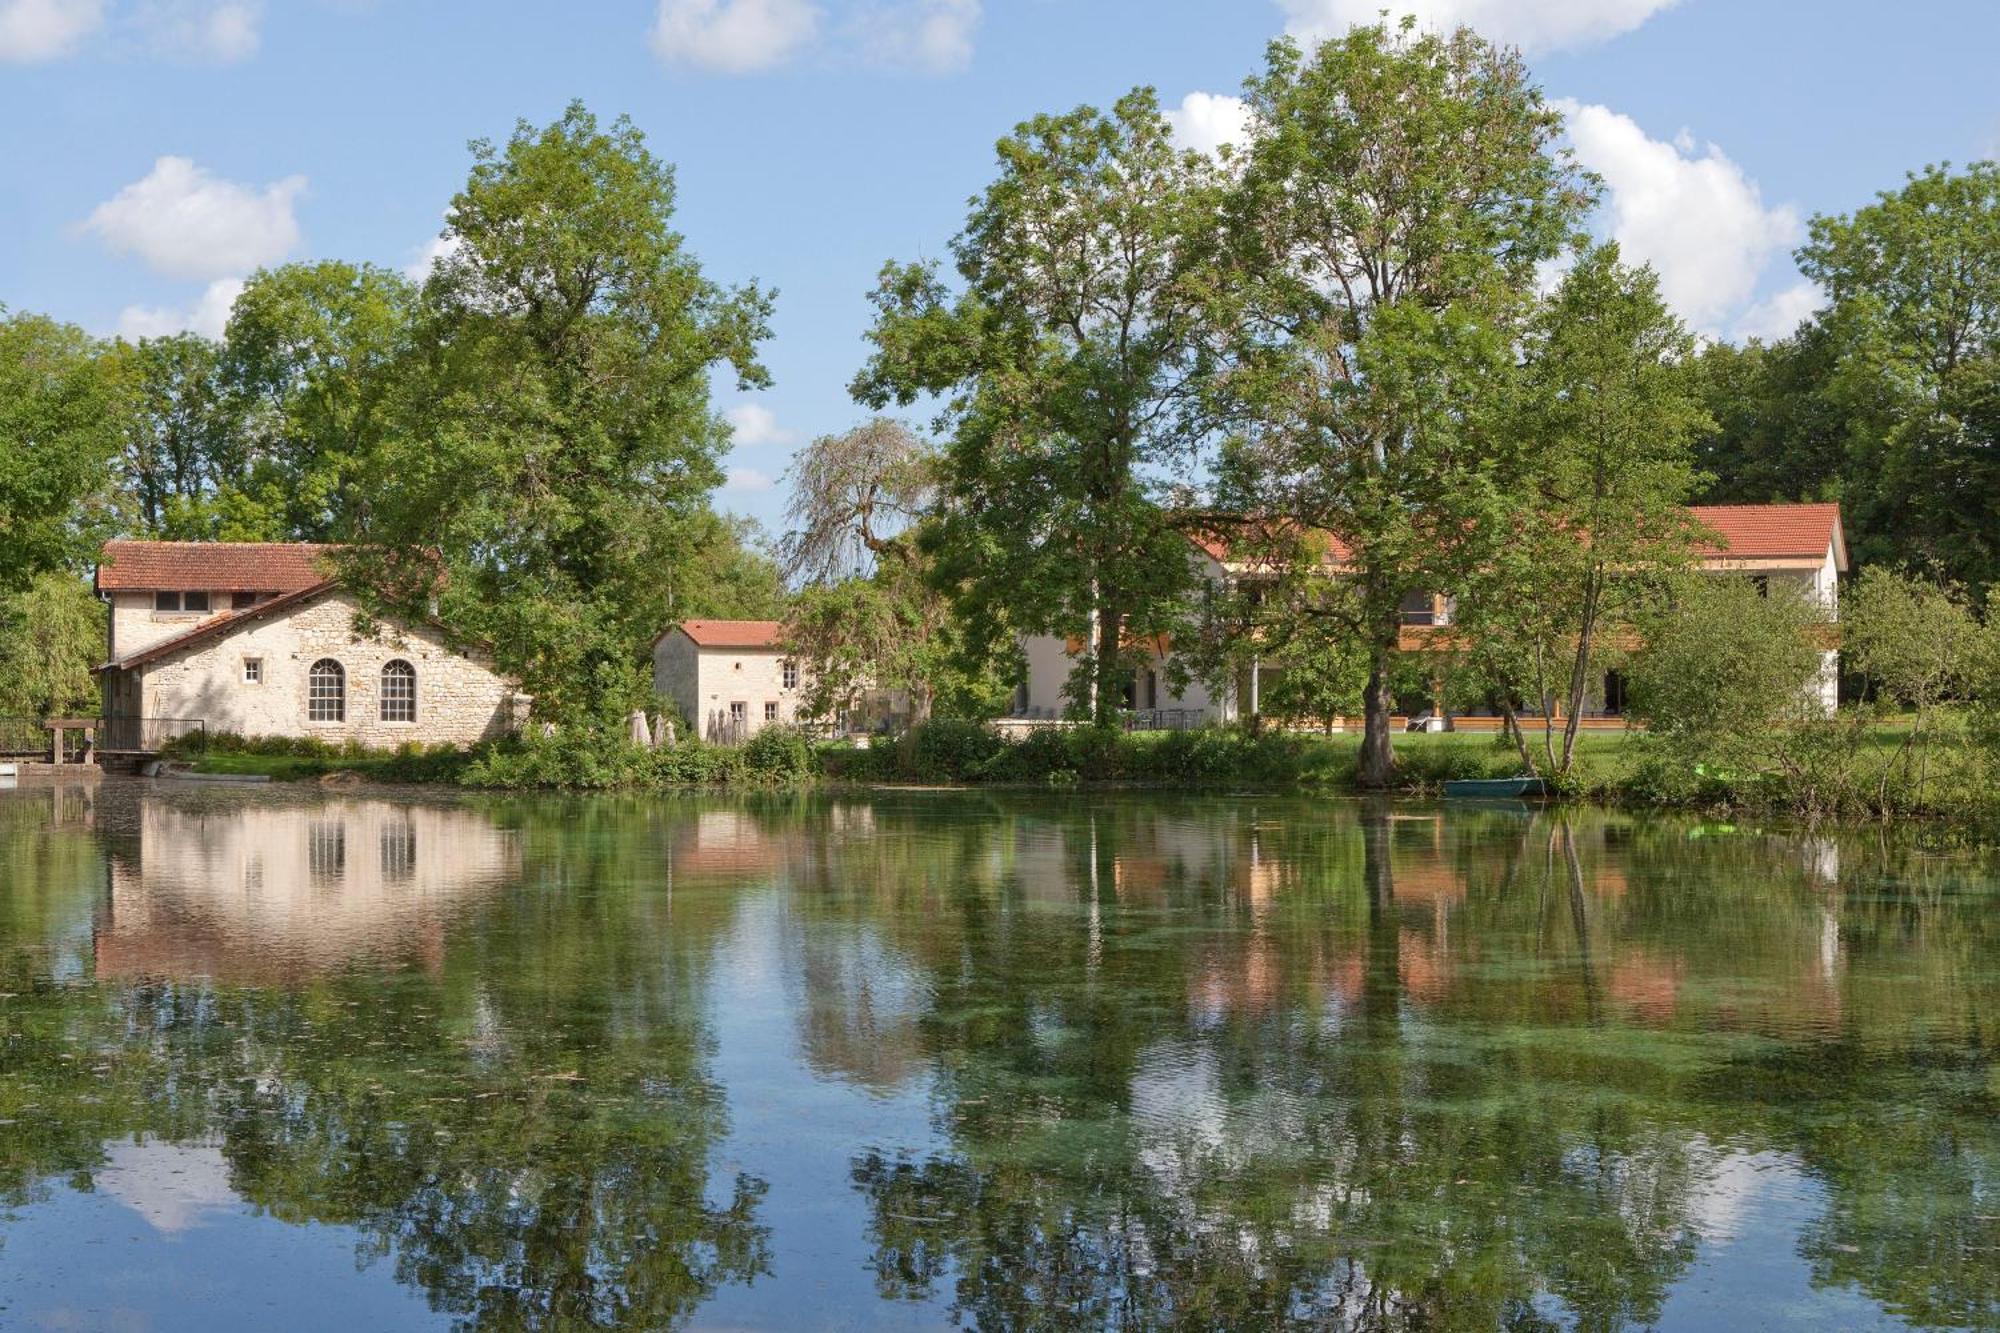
(172, 1187)
(272, 893)
(1734, 1188)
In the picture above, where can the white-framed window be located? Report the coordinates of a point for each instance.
(399, 692)
(739, 712)
(326, 692)
(790, 675)
(770, 710)
(180, 601)
(253, 671)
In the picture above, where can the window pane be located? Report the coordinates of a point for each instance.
(770, 711)
(326, 692)
(399, 692)
(194, 601)
(166, 601)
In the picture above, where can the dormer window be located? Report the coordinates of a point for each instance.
(180, 601)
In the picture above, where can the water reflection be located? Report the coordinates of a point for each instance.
(1256, 1063)
(278, 893)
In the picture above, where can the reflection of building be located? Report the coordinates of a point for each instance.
(268, 893)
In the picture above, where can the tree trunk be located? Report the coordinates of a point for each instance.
(1579, 672)
(1110, 626)
(1378, 755)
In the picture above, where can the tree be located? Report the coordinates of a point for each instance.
(553, 443)
(51, 634)
(1397, 195)
(185, 461)
(1777, 436)
(1720, 663)
(1917, 640)
(315, 353)
(59, 421)
(875, 612)
(1070, 367)
(1606, 412)
(1913, 287)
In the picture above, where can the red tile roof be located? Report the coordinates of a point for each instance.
(1777, 531)
(1749, 532)
(281, 567)
(733, 633)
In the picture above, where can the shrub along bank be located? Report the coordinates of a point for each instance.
(1858, 764)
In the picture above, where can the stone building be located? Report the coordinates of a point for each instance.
(731, 678)
(260, 640)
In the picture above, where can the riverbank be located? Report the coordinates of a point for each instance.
(1848, 768)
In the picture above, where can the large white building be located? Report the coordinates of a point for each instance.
(1801, 544)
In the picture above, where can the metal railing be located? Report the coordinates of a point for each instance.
(150, 735)
(1165, 719)
(36, 738)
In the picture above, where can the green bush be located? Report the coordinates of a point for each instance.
(948, 750)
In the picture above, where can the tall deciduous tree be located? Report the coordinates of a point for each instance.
(59, 423)
(1069, 361)
(875, 611)
(1607, 411)
(185, 467)
(1913, 282)
(1397, 195)
(315, 353)
(51, 634)
(554, 442)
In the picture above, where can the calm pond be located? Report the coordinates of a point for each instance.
(287, 1059)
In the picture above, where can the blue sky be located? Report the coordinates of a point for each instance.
(158, 150)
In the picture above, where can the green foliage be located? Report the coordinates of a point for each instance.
(60, 410)
(1397, 193)
(553, 441)
(579, 758)
(1914, 324)
(1604, 414)
(948, 750)
(1916, 639)
(1068, 364)
(51, 634)
(1720, 673)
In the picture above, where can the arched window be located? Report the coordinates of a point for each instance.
(326, 692)
(399, 692)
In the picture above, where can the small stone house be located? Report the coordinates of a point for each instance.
(732, 678)
(259, 639)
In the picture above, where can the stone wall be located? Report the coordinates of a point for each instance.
(460, 699)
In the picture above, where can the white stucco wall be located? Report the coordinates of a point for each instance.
(701, 681)
(459, 699)
(135, 625)
(1049, 664)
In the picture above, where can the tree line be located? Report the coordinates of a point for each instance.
(520, 445)
(1379, 320)
(1378, 327)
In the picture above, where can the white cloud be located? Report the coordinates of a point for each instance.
(219, 30)
(32, 30)
(189, 223)
(753, 424)
(747, 479)
(1780, 314)
(734, 36)
(1695, 216)
(1207, 121)
(208, 316)
(429, 256)
(1536, 25)
(930, 35)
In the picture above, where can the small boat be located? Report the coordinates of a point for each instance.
(1486, 789)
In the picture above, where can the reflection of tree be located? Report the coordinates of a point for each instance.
(526, 1133)
(1486, 1098)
